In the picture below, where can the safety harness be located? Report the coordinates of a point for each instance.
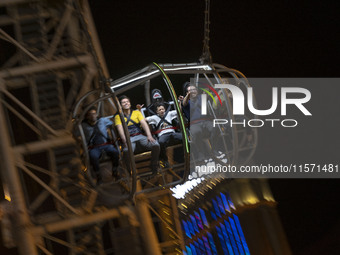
(96, 131)
(163, 119)
(134, 127)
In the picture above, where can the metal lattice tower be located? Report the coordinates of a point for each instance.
(48, 60)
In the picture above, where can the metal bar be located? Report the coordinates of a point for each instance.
(43, 249)
(15, 112)
(39, 200)
(6, 20)
(160, 217)
(176, 219)
(40, 169)
(25, 239)
(16, 43)
(59, 32)
(59, 241)
(148, 229)
(91, 71)
(74, 222)
(46, 187)
(12, 61)
(26, 109)
(147, 73)
(147, 92)
(10, 2)
(46, 66)
(39, 146)
(94, 37)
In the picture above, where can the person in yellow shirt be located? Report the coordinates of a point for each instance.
(136, 124)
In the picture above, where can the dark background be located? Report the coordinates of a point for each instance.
(261, 39)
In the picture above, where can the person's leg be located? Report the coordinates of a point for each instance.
(126, 151)
(175, 138)
(197, 141)
(154, 147)
(112, 152)
(163, 143)
(208, 130)
(94, 155)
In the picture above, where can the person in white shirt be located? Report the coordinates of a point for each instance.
(165, 131)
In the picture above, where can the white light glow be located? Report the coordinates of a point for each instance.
(180, 190)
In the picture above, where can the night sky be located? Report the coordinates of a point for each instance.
(261, 39)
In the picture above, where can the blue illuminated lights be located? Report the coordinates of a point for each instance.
(237, 238)
(212, 243)
(220, 236)
(191, 228)
(231, 204)
(186, 229)
(243, 239)
(213, 215)
(220, 205)
(204, 218)
(225, 202)
(203, 246)
(231, 237)
(217, 210)
(198, 219)
(188, 250)
(206, 245)
(193, 250)
(225, 235)
(226, 238)
(194, 223)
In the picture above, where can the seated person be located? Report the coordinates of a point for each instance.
(164, 129)
(97, 139)
(135, 122)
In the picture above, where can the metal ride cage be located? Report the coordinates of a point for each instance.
(233, 144)
(137, 167)
(236, 142)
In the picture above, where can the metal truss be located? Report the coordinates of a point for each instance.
(51, 58)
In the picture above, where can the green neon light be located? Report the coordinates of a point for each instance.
(206, 91)
(177, 106)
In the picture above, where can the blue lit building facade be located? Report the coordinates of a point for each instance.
(231, 216)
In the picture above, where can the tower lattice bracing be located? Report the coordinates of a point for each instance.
(50, 57)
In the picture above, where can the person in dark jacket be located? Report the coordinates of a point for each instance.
(97, 139)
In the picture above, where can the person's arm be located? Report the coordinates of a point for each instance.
(180, 102)
(120, 130)
(173, 114)
(139, 107)
(151, 119)
(146, 128)
(186, 99)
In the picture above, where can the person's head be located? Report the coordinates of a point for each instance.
(125, 102)
(91, 115)
(193, 91)
(185, 87)
(188, 87)
(160, 110)
(156, 96)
